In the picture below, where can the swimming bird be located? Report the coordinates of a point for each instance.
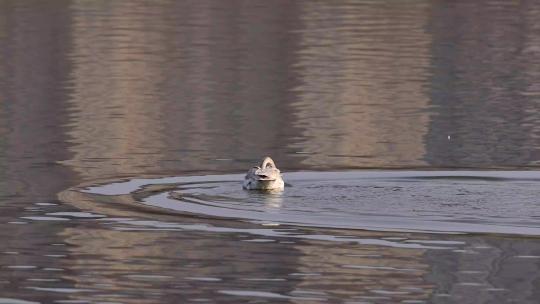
(264, 177)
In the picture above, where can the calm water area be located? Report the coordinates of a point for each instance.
(408, 133)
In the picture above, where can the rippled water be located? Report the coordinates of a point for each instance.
(125, 125)
(395, 236)
(504, 202)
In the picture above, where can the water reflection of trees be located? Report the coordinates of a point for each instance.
(174, 262)
(116, 88)
(363, 71)
(483, 90)
(200, 83)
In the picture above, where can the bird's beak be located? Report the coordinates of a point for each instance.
(264, 175)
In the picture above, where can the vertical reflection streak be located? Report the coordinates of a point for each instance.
(364, 67)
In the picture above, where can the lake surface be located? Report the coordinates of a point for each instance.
(408, 134)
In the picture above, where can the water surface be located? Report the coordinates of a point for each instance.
(501, 202)
(105, 93)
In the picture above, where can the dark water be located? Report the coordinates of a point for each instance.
(99, 92)
(417, 201)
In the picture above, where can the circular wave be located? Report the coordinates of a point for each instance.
(503, 202)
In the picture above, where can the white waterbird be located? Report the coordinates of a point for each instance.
(265, 177)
